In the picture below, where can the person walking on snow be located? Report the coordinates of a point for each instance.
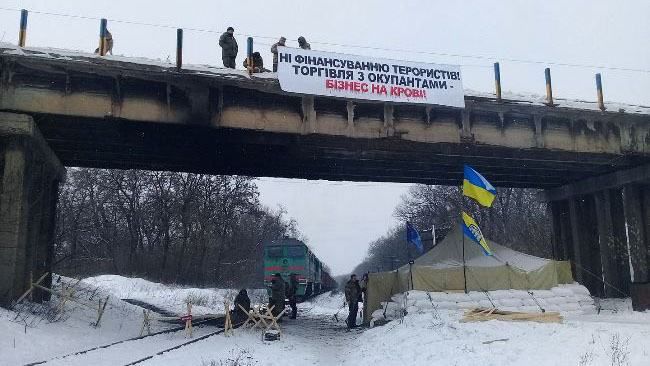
(274, 50)
(352, 293)
(278, 293)
(229, 48)
(302, 42)
(291, 295)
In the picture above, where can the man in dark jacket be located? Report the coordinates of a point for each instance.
(258, 63)
(245, 302)
(352, 293)
(291, 294)
(302, 42)
(229, 48)
(274, 50)
(278, 293)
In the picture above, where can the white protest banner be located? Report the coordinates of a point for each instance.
(360, 77)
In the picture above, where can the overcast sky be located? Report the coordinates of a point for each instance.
(341, 219)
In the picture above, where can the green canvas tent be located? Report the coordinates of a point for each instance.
(441, 270)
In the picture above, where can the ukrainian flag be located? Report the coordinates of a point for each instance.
(477, 187)
(472, 231)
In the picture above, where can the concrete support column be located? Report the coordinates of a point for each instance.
(619, 252)
(636, 234)
(576, 239)
(645, 208)
(605, 240)
(14, 214)
(561, 230)
(585, 239)
(29, 173)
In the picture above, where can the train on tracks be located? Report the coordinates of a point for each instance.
(289, 255)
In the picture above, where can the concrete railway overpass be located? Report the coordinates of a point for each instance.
(61, 108)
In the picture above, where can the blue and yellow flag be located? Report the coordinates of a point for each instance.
(472, 231)
(477, 187)
(413, 237)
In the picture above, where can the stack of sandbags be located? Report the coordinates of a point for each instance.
(566, 299)
(390, 310)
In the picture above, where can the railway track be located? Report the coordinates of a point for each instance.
(174, 348)
(116, 343)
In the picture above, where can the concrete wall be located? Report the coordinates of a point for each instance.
(29, 178)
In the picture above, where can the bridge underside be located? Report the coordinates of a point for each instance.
(115, 113)
(115, 143)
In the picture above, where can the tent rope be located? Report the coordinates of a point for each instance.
(600, 279)
(536, 302)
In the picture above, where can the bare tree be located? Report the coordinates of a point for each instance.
(516, 219)
(172, 227)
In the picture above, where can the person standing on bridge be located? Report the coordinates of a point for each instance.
(258, 63)
(274, 50)
(229, 48)
(352, 293)
(108, 45)
(302, 42)
(291, 295)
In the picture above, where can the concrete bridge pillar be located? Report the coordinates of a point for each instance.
(605, 233)
(29, 178)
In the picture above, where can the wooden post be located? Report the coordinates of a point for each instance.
(179, 49)
(31, 288)
(22, 35)
(549, 87)
(102, 37)
(497, 80)
(599, 90)
(227, 325)
(188, 320)
(100, 310)
(146, 323)
(249, 54)
(31, 284)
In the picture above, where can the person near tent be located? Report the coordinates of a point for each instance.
(291, 294)
(302, 43)
(352, 293)
(244, 301)
(364, 287)
(274, 50)
(108, 45)
(229, 47)
(258, 63)
(278, 293)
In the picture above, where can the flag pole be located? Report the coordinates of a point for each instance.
(462, 201)
(464, 265)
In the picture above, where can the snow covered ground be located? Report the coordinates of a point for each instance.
(171, 298)
(616, 336)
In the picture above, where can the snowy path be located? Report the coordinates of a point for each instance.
(312, 339)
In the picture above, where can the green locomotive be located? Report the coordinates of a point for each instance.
(287, 256)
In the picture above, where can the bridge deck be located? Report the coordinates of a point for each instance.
(120, 112)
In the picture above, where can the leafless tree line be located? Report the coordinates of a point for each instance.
(170, 227)
(516, 219)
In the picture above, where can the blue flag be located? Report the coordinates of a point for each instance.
(413, 237)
